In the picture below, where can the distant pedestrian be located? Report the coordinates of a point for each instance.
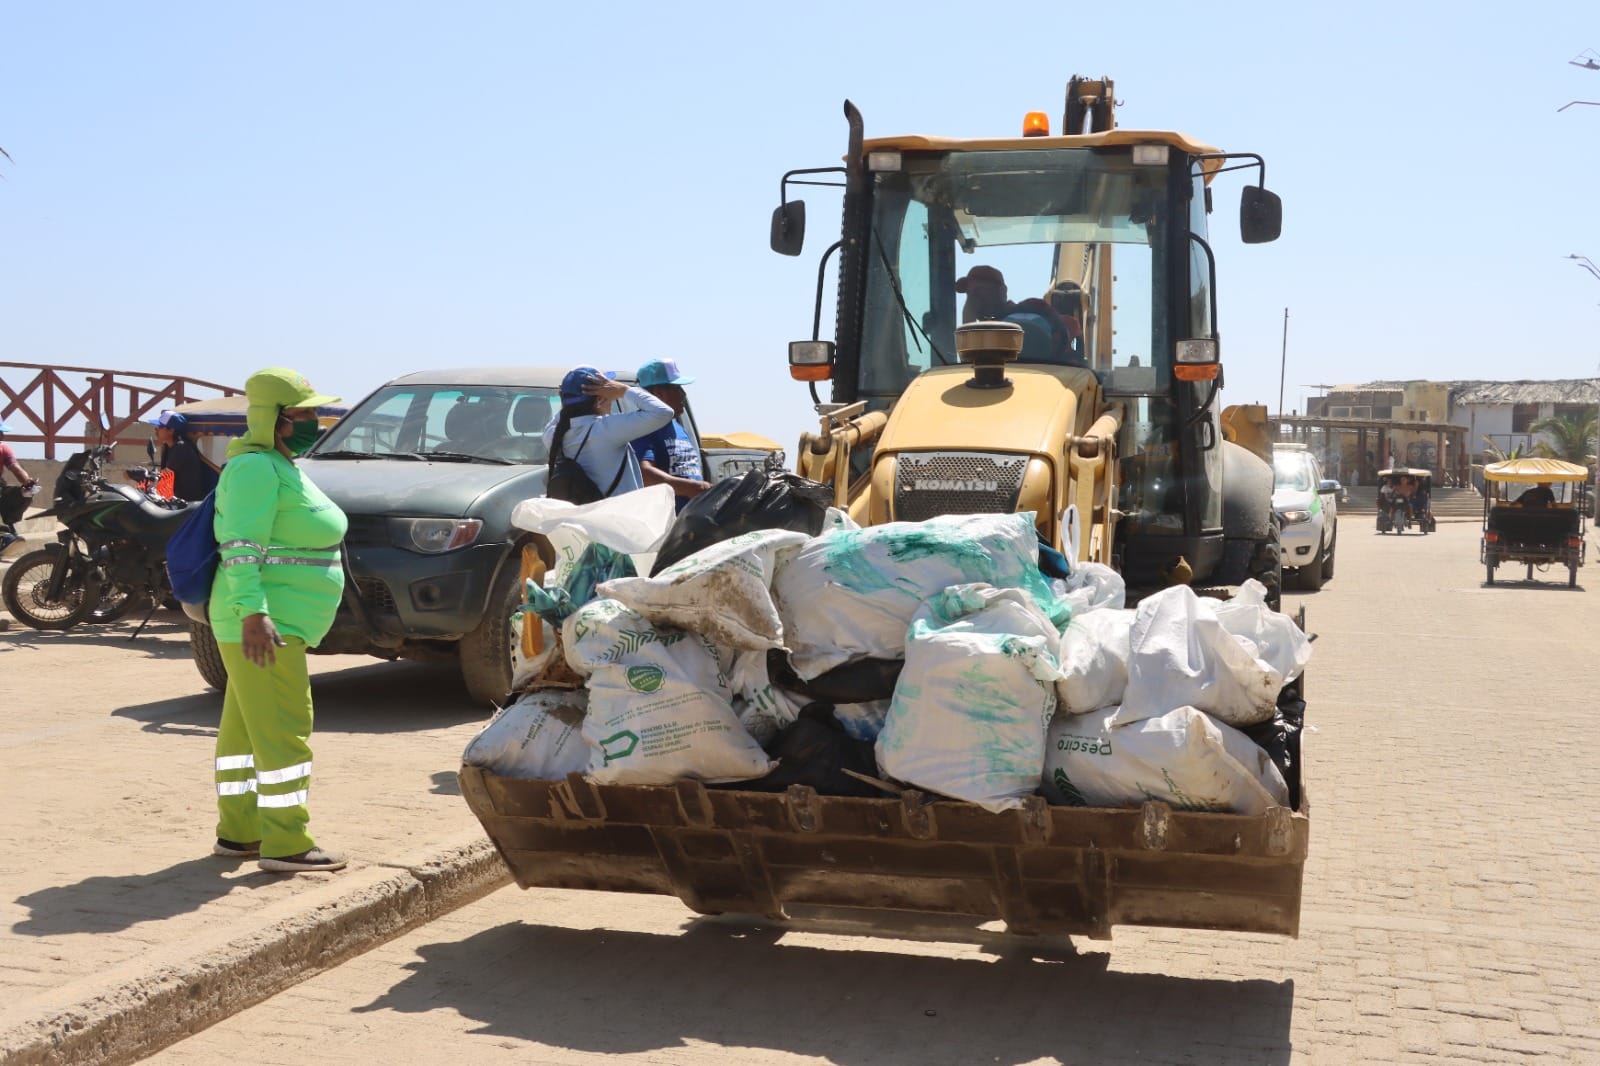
(277, 588)
(192, 476)
(9, 464)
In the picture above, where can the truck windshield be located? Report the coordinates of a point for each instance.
(1031, 220)
(487, 423)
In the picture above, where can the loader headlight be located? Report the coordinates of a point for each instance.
(431, 536)
(1294, 517)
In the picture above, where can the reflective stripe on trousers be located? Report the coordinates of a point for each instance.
(263, 758)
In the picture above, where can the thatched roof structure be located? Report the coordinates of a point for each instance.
(1564, 390)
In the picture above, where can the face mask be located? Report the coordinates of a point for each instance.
(304, 435)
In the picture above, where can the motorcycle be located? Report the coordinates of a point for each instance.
(108, 562)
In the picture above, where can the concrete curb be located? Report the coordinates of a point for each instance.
(133, 1011)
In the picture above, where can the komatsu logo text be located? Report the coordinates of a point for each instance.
(941, 484)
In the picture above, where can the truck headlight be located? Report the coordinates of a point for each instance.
(1294, 517)
(431, 536)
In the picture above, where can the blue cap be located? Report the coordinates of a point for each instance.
(171, 419)
(662, 372)
(572, 385)
(3, 428)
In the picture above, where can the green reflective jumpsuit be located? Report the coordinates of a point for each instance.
(279, 538)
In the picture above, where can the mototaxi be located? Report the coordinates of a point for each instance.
(1521, 526)
(1405, 499)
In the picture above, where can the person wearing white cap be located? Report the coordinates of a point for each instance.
(669, 455)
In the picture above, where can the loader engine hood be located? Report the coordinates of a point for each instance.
(950, 448)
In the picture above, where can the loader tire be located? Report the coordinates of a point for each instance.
(1266, 566)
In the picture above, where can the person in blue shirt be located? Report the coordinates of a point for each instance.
(670, 455)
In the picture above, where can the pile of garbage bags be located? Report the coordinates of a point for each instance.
(777, 643)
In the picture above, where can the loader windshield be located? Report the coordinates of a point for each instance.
(947, 226)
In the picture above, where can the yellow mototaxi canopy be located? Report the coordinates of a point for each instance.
(750, 441)
(1107, 139)
(1532, 470)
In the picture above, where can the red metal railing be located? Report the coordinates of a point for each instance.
(40, 410)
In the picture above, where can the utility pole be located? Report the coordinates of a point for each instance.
(1283, 364)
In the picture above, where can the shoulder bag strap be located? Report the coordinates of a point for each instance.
(620, 468)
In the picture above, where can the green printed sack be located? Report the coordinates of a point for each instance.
(850, 594)
(970, 708)
(660, 702)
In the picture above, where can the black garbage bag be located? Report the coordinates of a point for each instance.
(13, 504)
(859, 681)
(760, 499)
(815, 751)
(1279, 737)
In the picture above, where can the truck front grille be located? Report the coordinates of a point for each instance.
(367, 531)
(928, 484)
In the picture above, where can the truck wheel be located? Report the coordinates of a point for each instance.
(1327, 563)
(207, 656)
(1572, 576)
(1266, 566)
(1490, 568)
(1311, 573)
(487, 651)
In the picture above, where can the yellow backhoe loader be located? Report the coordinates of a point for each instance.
(1024, 323)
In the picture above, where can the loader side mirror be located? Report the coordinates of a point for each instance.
(1260, 215)
(789, 227)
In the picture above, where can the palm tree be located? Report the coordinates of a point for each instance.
(1498, 454)
(1572, 437)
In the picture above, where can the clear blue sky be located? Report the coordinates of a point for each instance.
(362, 189)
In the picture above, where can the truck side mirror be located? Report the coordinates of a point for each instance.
(1260, 215)
(789, 227)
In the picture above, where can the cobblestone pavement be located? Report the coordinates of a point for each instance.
(108, 809)
(1449, 910)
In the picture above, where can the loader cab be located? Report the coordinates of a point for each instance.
(1121, 217)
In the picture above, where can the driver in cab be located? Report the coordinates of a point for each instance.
(1045, 337)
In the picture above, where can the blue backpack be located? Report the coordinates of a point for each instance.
(192, 557)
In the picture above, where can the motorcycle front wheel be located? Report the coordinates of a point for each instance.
(26, 593)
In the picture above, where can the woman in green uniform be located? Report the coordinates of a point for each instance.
(277, 587)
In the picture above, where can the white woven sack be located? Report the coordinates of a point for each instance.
(1185, 758)
(723, 591)
(1094, 660)
(1180, 655)
(538, 736)
(1091, 587)
(1270, 636)
(970, 707)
